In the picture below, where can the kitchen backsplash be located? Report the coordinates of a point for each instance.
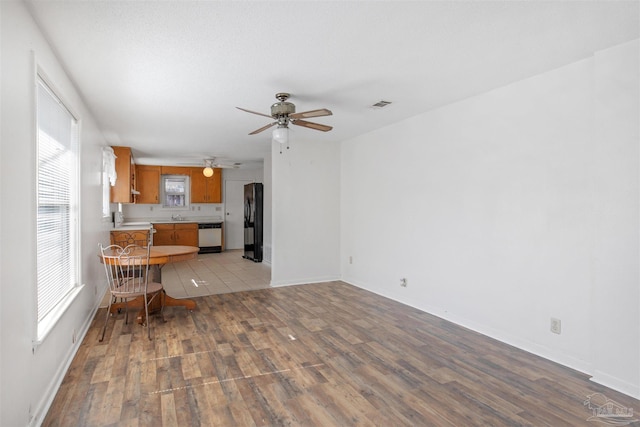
(197, 210)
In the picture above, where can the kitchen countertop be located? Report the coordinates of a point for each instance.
(131, 227)
(146, 223)
(196, 219)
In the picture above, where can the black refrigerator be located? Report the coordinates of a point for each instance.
(253, 222)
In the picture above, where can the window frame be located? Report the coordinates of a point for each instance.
(44, 323)
(164, 193)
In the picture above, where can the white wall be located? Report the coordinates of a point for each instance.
(493, 210)
(28, 380)
(615, 303)
(305, 212)
(501, 210)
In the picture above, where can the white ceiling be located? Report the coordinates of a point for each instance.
(165, 77)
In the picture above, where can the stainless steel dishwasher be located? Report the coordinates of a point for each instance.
(210, 237)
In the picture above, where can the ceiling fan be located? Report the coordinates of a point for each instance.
(211, 163)
(284, 114)
(215, 163)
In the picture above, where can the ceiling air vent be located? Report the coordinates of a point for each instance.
(381, 104)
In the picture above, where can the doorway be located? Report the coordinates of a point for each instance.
(234, 213)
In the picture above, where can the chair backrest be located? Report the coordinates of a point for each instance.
(127, 269)
(126, 238)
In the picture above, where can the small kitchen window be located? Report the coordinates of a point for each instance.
(175, 191)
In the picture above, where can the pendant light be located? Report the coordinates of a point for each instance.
(208, 170)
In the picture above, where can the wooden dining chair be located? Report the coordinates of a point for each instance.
(133, 237)
(126, 238)
(127, 270)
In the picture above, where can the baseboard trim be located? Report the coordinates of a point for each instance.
(41, 410)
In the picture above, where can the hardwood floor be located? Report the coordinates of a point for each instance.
(313, 355)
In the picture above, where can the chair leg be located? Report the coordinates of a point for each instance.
(160, 294)
(146, 312)
(104, 328)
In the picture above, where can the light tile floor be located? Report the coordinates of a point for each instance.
(215, 274)
(212, 274)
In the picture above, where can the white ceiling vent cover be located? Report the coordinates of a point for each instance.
(381, 104)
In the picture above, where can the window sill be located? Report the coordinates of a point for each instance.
(47, 324)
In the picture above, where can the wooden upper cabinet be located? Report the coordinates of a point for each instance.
(146, 180)
(125, 182)
(198, 186)
(148, 184)
(214, 186)
(206, 190)
(175, 170)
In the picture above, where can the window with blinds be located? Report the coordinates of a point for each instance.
(175, 191)
(57, 202)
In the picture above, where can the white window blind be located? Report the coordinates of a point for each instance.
(57, 193)
(175, 191)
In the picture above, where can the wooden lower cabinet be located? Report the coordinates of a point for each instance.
(186, 234)
(164, 234)
(176, 234)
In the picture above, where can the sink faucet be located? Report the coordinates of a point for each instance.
(176, 217)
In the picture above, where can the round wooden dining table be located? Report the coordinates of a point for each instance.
(158, 257)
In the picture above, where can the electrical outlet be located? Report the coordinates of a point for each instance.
(556, 326)
(350, 260)
(403, 282)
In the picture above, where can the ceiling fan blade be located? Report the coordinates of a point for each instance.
(253, 112)
(313, 113)
(263, 128)
(316, 126)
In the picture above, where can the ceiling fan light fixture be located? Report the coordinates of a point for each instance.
(208, 168)
(208, 172)
(281, 135)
